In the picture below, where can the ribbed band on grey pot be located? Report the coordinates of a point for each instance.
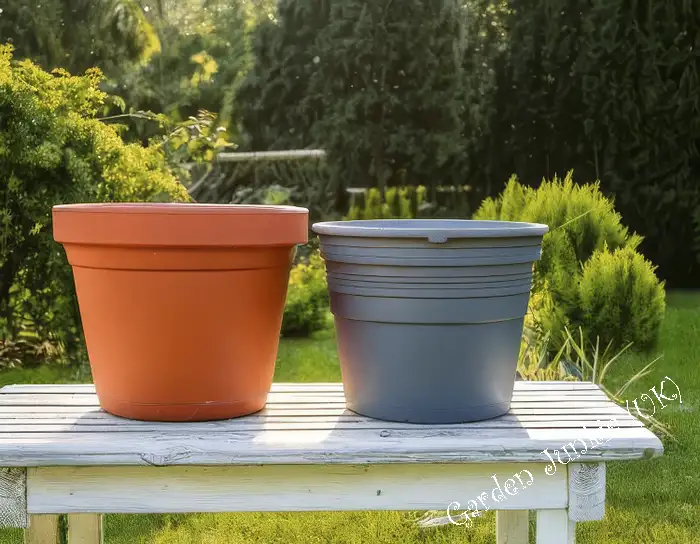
(429, 314)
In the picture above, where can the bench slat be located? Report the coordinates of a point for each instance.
(285, 424)
(283, 387)
(315, 446)
(331, 389)
(39, 412)
(309, 423)
(86, 399)
(340, 415)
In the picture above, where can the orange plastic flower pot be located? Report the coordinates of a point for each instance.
(181, 304)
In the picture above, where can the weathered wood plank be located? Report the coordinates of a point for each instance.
(308, 423)
(344, 419)
(435, 445)
(303, 394)
(512, 527)
(586, 491)
(320, 421)
(85, 528)
(554, 527)
(303, 397)
(284, 392)
(294, 410)
(292, 154)
(276, 416)
(524, 386)
(284, 488)
(312, 426)
(13, 497)
(290, 389)
(43, 529)
(79, 399)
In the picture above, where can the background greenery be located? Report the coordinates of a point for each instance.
(434, 93)
(52, 151)
(431, 108)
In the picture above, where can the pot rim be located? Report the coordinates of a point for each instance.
(180, 225)
(177, 208)
(435, 230)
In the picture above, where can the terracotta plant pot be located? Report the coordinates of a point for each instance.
(181, 304)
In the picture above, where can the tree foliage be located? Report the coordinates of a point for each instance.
(411, 92)
(610, 88)
(275, 111)
(378, 85)
(205, 54)
(54, 151)
(79, 34)
(389, 73)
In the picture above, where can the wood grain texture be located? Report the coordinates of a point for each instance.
(604, 411)
(275, 423)
(586, 491)
(44, 425)
(13, 497)
(320, 416)
(85, 529)
(275, 400)
(284, 387)
(555, 527)
(309, 447)
(274, 488)
(512, 527)
(43, 529)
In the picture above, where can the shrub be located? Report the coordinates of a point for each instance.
(306, 309)
(621, 298)
(583, 225)
(54, 151)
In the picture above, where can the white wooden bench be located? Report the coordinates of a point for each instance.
(306, 452)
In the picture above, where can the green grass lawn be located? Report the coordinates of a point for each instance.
(655, 501)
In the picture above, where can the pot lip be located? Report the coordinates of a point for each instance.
(180, 225)
(178, 208)
(435, 230)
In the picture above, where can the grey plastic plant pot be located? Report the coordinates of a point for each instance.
(429, 314)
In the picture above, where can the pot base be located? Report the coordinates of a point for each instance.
(422, 416)
(203, 411)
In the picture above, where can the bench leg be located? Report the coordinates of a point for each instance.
(555, 527)
(84, 529)
(42, 529)
(511, 526)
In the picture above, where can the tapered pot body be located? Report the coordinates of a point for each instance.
(429, 314)
(181, 304)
